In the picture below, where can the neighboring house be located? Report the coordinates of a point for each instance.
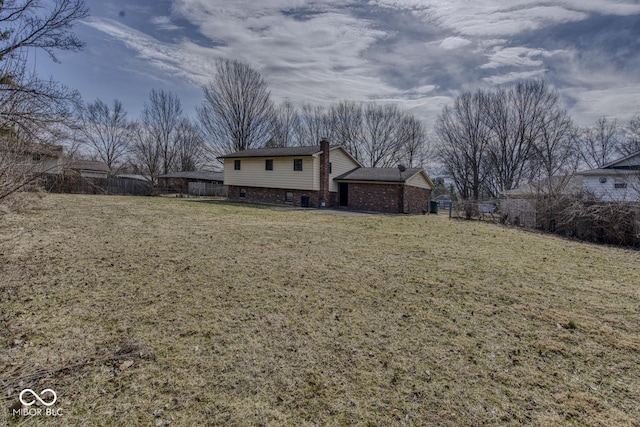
(88, 168)
(323, 176)
(523, 205)
(197, 183)
(617, 181)
(31, 157)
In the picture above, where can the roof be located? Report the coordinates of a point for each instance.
(199, 175)
(43, 149)
(88, 165)
(564, 184)
(309, 150)
(609, 172)
(133, 176)
(379, 174)
(612, 165)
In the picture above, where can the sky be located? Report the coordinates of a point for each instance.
(420, 54)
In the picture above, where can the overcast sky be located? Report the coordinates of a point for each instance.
(418, 53)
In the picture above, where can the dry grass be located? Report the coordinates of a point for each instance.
(141, 311)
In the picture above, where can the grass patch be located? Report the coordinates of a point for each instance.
(143, 311)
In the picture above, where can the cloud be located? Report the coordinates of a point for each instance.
(164, 23)
(420, 53)
(454, 43)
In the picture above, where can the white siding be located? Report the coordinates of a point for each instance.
(418, 180)
(606, 190)
(252, 173)
(340, 163)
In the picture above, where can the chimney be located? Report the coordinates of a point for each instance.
(323, 197)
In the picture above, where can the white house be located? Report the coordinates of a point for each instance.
(617, 181)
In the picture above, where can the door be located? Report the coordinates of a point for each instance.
(344, 194)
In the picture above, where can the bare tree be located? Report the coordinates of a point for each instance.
(29, 24)
(380, 141)
(314, 125)
(554, 154)
(631, 143)
(161, 118)
(345, 121)
(413, 148)
(463, 138)
(599, 144)
(146, 153)
(190, 146)
(106, 131)
(516, 118)
(237, 112)
(286, 123)
(32, 109)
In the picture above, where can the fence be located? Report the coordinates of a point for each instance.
(197, 188)
(55, 183)
(585, 219)
(475, 210)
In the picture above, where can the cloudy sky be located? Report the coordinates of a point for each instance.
(418, 53)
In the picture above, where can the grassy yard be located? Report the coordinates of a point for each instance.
(150, 311)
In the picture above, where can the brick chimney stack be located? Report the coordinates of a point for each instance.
(323, 197)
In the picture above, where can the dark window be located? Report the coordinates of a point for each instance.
(329, 167)
(288, 196)
(236, 165)
(268, 164)
(297, 164)
(243, 192)
(620, 183)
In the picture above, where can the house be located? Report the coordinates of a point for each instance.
(323, 176)
(32, 158)
(391, 190)
(88, 168)
(527, 204)
(618, 181)
(196, 183)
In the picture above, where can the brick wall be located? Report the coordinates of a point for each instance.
(277, 196)
(375, 197)
(323, 196)
(389, 198)
(416, 200)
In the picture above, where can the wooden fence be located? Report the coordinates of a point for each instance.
(55, 183)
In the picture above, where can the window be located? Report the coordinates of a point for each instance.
(36, 158)
(236, 165)
(620, 183)
(243, 193)
(329, 167)
(288, 197)
(297, 164)
(268, 165)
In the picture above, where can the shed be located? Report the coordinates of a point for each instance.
(195, 183)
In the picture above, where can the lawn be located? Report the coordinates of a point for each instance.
(182, 312)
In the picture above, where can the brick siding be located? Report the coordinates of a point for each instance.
(388, 198)
(277, 196)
